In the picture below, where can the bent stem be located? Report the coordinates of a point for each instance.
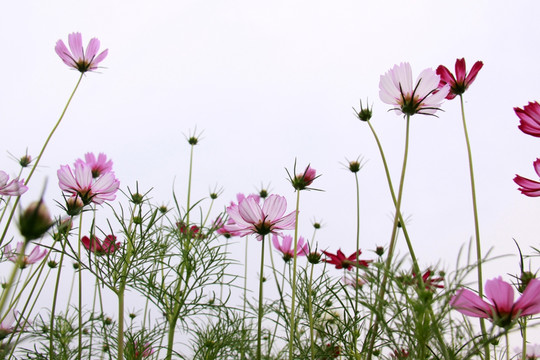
(476, 222)
(39, 157)
(293, 298)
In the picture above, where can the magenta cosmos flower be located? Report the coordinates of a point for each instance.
(81, 183)
(343, 262)
(99, 165)
(287, 247)
(77, 58)
(250, 218)
(14, 187)
(460, 83)
(501, 309)
(529, 187)
(35, 255)
(423, 96)
(529, 118)
(108, 246)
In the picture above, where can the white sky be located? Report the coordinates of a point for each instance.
(271, 81)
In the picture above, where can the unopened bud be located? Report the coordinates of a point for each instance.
(34, 221)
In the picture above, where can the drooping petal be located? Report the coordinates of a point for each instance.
(528, 187)
(470, 304)
(529, 302)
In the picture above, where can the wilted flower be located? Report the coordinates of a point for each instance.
(287, 248)
(529, 187)
(99, 165)
(108, 246)
(14, 187)
(77, 58)
(13, 254)
(421, 97)
(342, 262)
(529, 118)
(83, 184)
(250, 218)
(501, 309)
(460, 83)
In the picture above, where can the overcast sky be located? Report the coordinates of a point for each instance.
(272, 81)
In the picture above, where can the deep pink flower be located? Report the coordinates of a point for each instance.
(429, 281)
(14, 187)
(35, 255)
(99, 166)
(529, 187)
(342, 262)
(77, 58)
(460, 83)
(145, 352)
(529, 118)
(396, 88)
(501, 309)
(108, 246)
(250, 218)
(82, 183)
(287, 247)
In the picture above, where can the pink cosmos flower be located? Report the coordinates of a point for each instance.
(396, 88)
(287, 247)
(529, 118)
(529, 187)
(99, 166)
(460, 83)
(108, 246)
(77, 58)
(145, 352)
(342, 262)
(532, 352)
(35, 255)
(501, 309)
(82, 183)
(350, 281)
(14, 187)
(250, 218)
(303, 180)
(7, 325)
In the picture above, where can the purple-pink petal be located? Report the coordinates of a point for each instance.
(529, 302)
(501, 294)
(470, 304)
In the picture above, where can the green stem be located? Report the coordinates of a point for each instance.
(524, 339)
(243, 354)
(476, 222)
(293, 298)
(55, 297)
(16, 267)
(188, 209)
(79, 251)
(39, 158)
(356, 287)
(260, 312)
(310, 314)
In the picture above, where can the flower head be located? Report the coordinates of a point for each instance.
(529, 118)
(81, 183)
(364, 114)
(13, 254)
(342, 262)
(99, 165)
(396, 88)
(529, 187)
(14, 187)
(532, 352)
(287, 248)
(501, 309)
(7, 325)
(77, 58)
(108, 246)
(460, 83)
(35, 220)
(250, 218)
(303, 180)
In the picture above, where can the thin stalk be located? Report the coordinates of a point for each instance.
(356, 332)
(16, 267)
(281, 300)
(188, 208)
(260, 312)
(39, 158)
(293, 298)
(310, 314)
(55, 297)
(524, 339)
(79, 251)
(243, 355)
(476, 222)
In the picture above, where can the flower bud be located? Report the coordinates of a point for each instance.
(74, 205)
(365, 113)
(34, 221)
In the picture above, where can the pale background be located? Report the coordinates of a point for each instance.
(269, 82)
